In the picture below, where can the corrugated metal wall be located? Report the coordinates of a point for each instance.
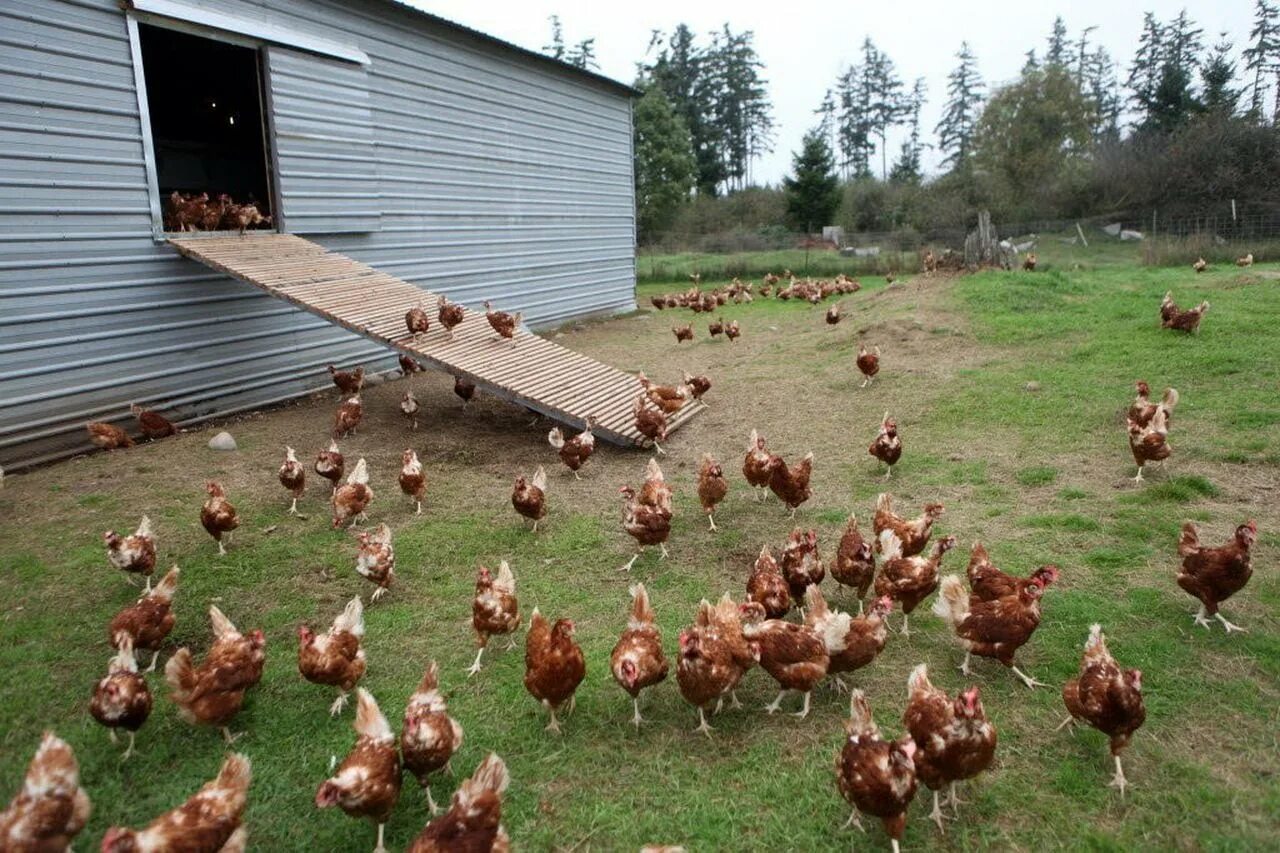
(497, 177)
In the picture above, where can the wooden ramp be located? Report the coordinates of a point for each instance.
(535, 372)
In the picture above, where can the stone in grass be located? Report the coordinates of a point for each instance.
(222, 441)
(1031, 386)
(374, 379)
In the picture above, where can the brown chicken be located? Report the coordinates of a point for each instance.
(887, 446)
(682, 333)
(503, 323)
(697, 385)
(153, 424)
(714, 655)
(913, 534)
(986, 582)
(712, 486)
(376, 560)
(473, 822)
(954, 739)
(756, 465)
(1173, 317)
(147, 623)
(647, 513)
(218, 516)
(669, 398)
(1246, 261)
(136, 554)
(852, 642)
(1200, 265)
(417, 321)
(413, 482)
(732, 330)
(854, 565)
(650, 422)
(1143, 410)
(791, 484)
(347, 417)
(108, 436)
(1107, 698)
(242, 217)
(211, 820)
(767, 587)
(494, 610)
(293, 477)
(50, 808)
(553, 664)
(868, 363)
(450, 314)
(574, 452)
(122, 700)
(367, 782)
(1149, 443)
(716, 328)
(409, 365)
(529, 496)
(991, 629)
(801, 565)
(1029, 262)
(428, 735)
(794, 655)
(331, 465)
(409, 408)
(833, 314)
(212, 693)
(908, 580)
(464, 389)
(352, 498)
(335, 657)
(1215, 574)
(637, 661)
(348, 383)
(875, 776)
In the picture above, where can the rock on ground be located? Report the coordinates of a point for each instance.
(222, 441)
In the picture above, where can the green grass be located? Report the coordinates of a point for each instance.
(1039, 477)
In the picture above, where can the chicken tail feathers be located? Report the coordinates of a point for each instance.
(952, 603)
(860, 722)
(555, 438)
(506, 580)
(884, 502)
(235, 773)
(222, 627)
(918, 680)
(1170, 399)
(540, 478)
(180, 675)
(890, 545)
(815, 605)
(168, 585)
(490, 775)
(144, 527)
(1188, 540)
(370, 722)
(641, 610)
(351, 619)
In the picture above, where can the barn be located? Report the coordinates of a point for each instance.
(452, 160)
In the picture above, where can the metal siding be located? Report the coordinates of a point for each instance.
(492, 176)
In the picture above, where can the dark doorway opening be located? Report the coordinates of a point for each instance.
(207, 121)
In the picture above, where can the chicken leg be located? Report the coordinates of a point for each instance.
(154, 657)
(229, 737)
(1026, 679)
(952, 800)
(431, 801)
(554, 725)
(854, 820)
(703, 725)
(222, 549)
(418, 511)
(637, 719)
(906, 632)
(338, 704)
(936, 814)
(475, 667)
(711, 519)
(803, 712)
(382, 847)
(776, 703)
(632, 561)
(1118, 780)
(128, 752)
(1138, 478)
(964, 667)
(293, 507)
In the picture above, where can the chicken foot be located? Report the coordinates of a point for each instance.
(1026, 679)
(854, 820)
(632, 561)
(554, 725)
(338, 704)
(475, 667)
(711, 519)
(936, 815)
(382, 847)
(155, 656)
(229, 737)
(776, 703)
(431, 801)
(637, 719)
(128, 752)
(703, 725)
(1118, 780)
(954, 801)
(293, 507)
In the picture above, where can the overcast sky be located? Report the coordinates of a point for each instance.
(804, 45)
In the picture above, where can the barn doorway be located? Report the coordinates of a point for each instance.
(208, 128)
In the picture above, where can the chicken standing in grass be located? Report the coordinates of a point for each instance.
(293, 478)
(212, 693)
(1107, 698)
(409, 408)
(147, 623)
(122, 700)
(347, 417)
(712, 486)
(697, 385)
(336, 657)
(852, 641)
(992, 629)
(153, 424)
(210, 820)
(650, 422)
(1143, 410)
(647, 513)
(218, 516)
(767, 587)
(1212, 575)
(854, 565)
(353, 497)
(1149, 443)
(553, 664)
(908, 580)
(494, 610)
(428, 735)
(473, 823)
(331, 465)
(637, 661)
(367, 783)
(913, 534)
(875, 776)
(574, 452)
(682, 333)
(793, 654)
(50, 809)
(887, 446)
(756, 465)
(376, 560)
(136, 554)
(413, 481)
(868, 363)
(529, 496)
(791, 483)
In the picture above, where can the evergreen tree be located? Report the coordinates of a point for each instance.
(1262, 54)
(1148, 61)
(1218, 96)
(1099, 85)
(1084, 58)
(1172, 102)
(1031, 63)
(556, 48)
(906, 169)
(853, 123)
(583, 55)
(885, 100)
(813, 190)
(960, 113)
(1056, 53)
(664, 162)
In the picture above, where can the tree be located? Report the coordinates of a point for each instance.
(853, 123)
(1172, 102)
(1148, 60)
(960, 113)
(1056, 53)
(813, 191)
(884, 97)
(1098, 82)
(1218, 96)
(906, 169)
(581, 55)
(664, 162)
(556, 48)
(1262, 54)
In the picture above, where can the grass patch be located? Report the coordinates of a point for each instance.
(1036, 475)
(1181, 489)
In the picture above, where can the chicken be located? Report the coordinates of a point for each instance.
(147, 622)
(647, 513)
(212, 693)
(409, 408)
(756, 465)
(791, 484)
(473, 822)
(854, 565)
(714, 655)
(912, 534)
(1200, 265)
(1173, 317)
(553, 664)
(1143, 410)
(682, 333)
(464, 389)
(335, 657)
(134, 554)
(1149, 443)
(417, 321)
(50, 808)
(575, 451)
(650, 422)
(122, 699)
(293, 477)
(1107, 698)
(794, 655)
(331, 465)
(108, 436)
(716, 328)
(212, 214)
(801, 565)
(218, 516)
(428, 736)
(908, 580)
(153, 424)
(529, 496)
(868, 362)
(887, 446)
(1029, 262)
(988, 583)
(1215, 574)
(767, 587)
(347, 417)
(242, 217)
(413, 482)
(376, 560)
(712, 486)
(367, 782)
(732, 330)
(450, 314)
(875, 776)
(637, 660)
(991, 629)
(210, 820)
(1246, 261)
(494, 610)
(852, 642)
(954, 739)
(352, 498)
(503, 323)
(833, 314)
(697, 385)
(669, 398)
(930, 261)
(348, 383)
(409, 365)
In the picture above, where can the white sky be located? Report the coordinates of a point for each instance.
(804, 45)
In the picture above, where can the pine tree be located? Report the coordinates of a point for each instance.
(1218, 96)
(906, 169)
(853, 127)
(664, 162)
(681, 70)
(583, 55)
(960, 113)
(556, 48)
(1056, 53)
(1031, 63)
(885, 101)
(1100, 87)
(1172, 103)
(1262, 54)
(1148, 60)
(1083, 57)
(813, 190)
